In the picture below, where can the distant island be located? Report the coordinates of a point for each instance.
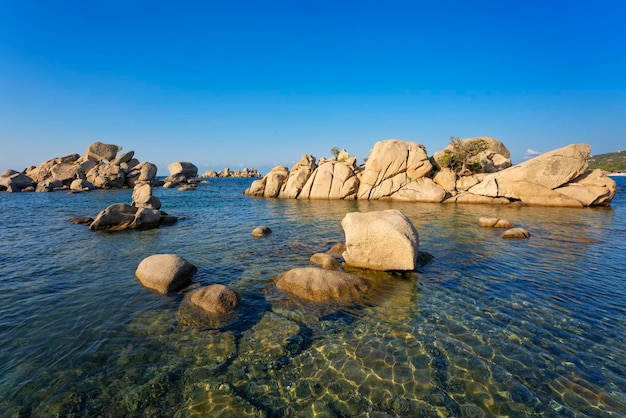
(613, 162)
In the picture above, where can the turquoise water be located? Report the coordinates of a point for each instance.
(490, 327)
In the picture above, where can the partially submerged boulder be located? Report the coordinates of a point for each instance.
(165, 272)
(382, 240)
(11, 180)
(121, 216)
(516, 233)
(261, 231)
(215, 298)
(325, 261)
(320, 285)
(494, 223)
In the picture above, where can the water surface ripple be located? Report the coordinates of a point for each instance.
(490, 327)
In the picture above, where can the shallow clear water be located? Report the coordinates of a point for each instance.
(490, 327)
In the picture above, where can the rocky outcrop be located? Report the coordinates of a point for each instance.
(392, 165)
(331, 180)
(144, 213)
(97, 168)
(401, 171)
(298, 176)
(181, 173)
(382, 240)
(228, 173)
(12, 181)
(165, 272)
(320, 285)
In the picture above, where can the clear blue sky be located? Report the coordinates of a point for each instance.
(257, 84)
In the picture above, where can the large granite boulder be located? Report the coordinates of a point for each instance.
(12, 180)
(421, 190)
(44, 170)
(165, 272)
(215, 298)
(592, 188)
(121, 216)
(320, 285)
(143, 198)
(392, 164)
(543, 181)
(187, 169)
(298, 176)
(141, 172)
(107, 176)
(100, 151)
(382, 240)
(331, 180)
(274, 181)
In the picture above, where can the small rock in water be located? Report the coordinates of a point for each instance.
(494, 223)
(81, 220)
(261, 231)
(516, 233)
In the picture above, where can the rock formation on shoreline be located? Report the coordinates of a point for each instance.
(473, 170)
(98, 168)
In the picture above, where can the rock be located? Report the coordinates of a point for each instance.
(142, 172)
(101, 151)
(274, 181)
(165, 272)
(15, 180)
(81, 185)
(187, 169)
(124, 158)
(257, 188)
(392, 164)
(325, 261)
(106, 176)
(420, 190)
(593, 188)
(516, 233)
(81, 220)
(549, 170)
(115, 217)
(494, 223)
(471, 198)
(121, 216)
(44, 170)
(383, 240)
(187, 187)
(315, 284)
(48, 185)
(336, 251)
(215, 298)
(331, 180)
(261, 231)
(142, 193)
(528, 193)
(298, 176)
(446, 178)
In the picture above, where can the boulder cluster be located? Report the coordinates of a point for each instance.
(98, 168)
(399, 170)
(228, 173)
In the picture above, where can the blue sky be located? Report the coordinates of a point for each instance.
(257, 84)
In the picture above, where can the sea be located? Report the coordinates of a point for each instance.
(486, 326)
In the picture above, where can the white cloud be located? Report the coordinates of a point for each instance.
(530, 153)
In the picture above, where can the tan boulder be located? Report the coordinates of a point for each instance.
(494, 223)
(446, 178)
(44, 170)
(215, 298)
(274, 181)
(421, 190)
(124, 158)
(165, 272)
(383, 240)
(516, 233)
(316, 284)
(257, 188)
(185, 168)
(121, 216)
(325, 261)
(549, 170)
(331, 180)
(101, 151)
(470, 198)
(391, 165)
(298, 176)
(261, 231)
(14, 180)
(106, 176)
(142, 193)
(593, 188)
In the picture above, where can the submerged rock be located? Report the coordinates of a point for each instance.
(494, 223)
(261, 231)
(215, 298)
(320, 285)
(516, 233)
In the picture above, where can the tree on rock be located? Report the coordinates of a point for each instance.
(460, 155)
